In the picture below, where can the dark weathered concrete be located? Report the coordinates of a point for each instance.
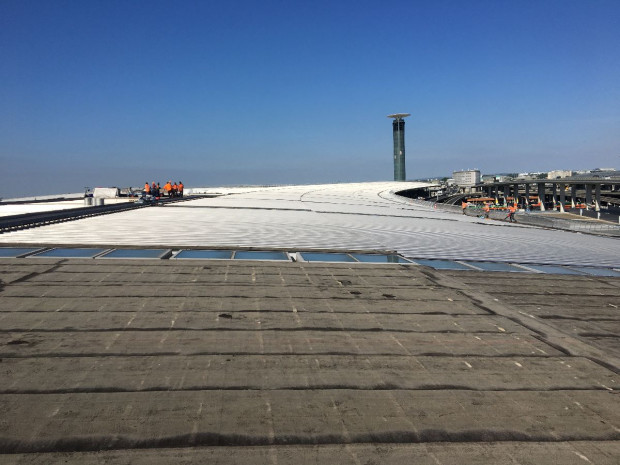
(232, 362)
(501, 453)
(587, 308)
(225, 372)
(253, 320)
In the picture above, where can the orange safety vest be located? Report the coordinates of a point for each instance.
(180, 187)
(168, 187)
(175, 187)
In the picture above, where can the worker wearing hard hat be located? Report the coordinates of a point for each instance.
(168, 189)
(486, 209)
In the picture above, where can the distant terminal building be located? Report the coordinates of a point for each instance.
(534, 175)
(466, 178)
(555, 174)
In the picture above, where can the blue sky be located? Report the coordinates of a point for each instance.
(102, 93)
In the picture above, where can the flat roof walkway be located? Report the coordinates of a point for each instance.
(150, 361)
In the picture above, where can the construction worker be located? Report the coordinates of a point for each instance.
(180, 189)
(147, 188)
(154, 190)
(175, 190)
(511, 213)
(168, 189)
(486, 209)
(464, 206)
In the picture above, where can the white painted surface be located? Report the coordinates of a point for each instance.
(362, 216)
(22, 208)
(106, 192)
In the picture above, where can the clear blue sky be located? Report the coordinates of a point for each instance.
(100, 93)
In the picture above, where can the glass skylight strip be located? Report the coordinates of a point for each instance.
(137, 253)
(204, 255)
(379, 258)
(495, 266)
(260, 255)
(442, 264)
(597, 271)
(554, 269)
(327, 257)
(69, 253)
(14, 252)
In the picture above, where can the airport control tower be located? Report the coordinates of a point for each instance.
(398, 127)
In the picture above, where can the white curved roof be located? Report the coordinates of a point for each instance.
(360, 216)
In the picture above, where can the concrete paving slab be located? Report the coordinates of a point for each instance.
(268, 342)
(529, 282)
(238, 268)
(50, 422)
(192, 320)
(588, 312)
(19, 265)
(603, 312)
(606, 328)
(610, 345)
(143, 290)
(561, 300)
(504, 453)
(10, 274)
(254, 372)
(8, 278)
(322, 364)
(280, 304)
(203, 276)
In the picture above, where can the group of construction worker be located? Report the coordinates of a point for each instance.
(511, 208)
(169, 189)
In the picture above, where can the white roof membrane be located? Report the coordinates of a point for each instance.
(360, 216)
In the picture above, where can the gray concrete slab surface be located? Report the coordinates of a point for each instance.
(502, 453)
(153, 361)
(587, 308)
